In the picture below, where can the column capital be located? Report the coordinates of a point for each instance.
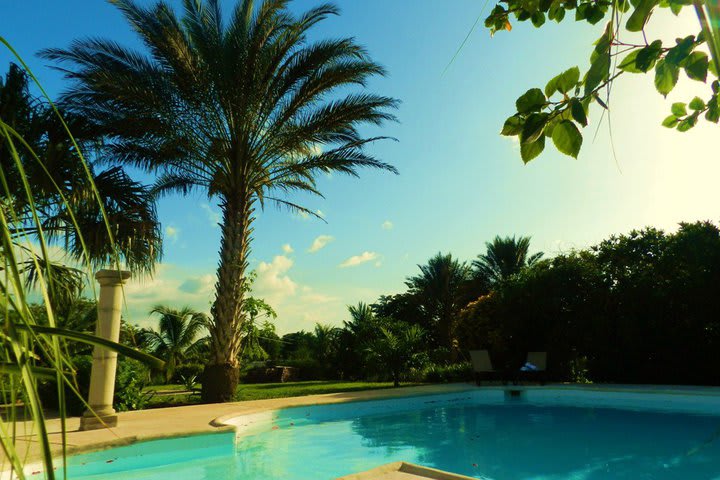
(112, 277)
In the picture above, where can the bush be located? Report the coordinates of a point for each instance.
(132, 378)
(457, 372)
(188, 370)
(309, 369)
(74, 406)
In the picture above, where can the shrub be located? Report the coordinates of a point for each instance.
(188, 370)
(309, 369)
(132, 378)
(579, 370)
(74, 405)
(457, 372)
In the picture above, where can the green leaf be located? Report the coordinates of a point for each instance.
(567, 138)
(531, 101)
(628, 64)
(528, 151)
(715, 86)
(594, 14)
(96, 341)
(556, 12)
(640, 15)
(602, 44)
(678, 109)
(697, 103)
(649, 55)
(551, 86)
(680, 52)
(513, 126)
(578, 112)
(598, 73)
(670, 121)
(713, 112)
(666, 76)
(533, 128)
(563, 82)
(568, 79)
(687, 123)
(581, 11)
(696, 66)
(599, 100)
(538, 19)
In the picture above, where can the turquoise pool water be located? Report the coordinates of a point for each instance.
(548, 435)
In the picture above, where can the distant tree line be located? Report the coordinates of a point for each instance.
(636, 308)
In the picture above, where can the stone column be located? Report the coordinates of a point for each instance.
(102, 376)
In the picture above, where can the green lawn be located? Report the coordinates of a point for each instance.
(266, 390)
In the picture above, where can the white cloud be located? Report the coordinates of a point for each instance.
(287, 248)
(172, 233)
(320, 242)
(212, 214)
(273, 282)
(298, 306)
(170, 285)
(356, 260)
(204, 283)
(378, 264)
(387, 225)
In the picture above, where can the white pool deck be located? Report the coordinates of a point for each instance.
(202, 419)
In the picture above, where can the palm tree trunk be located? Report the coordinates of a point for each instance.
(221, 375)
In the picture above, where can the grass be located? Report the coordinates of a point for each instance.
(266, 390)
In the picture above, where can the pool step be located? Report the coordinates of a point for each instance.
(404, 471)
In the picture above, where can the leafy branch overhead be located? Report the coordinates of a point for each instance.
(560, 110)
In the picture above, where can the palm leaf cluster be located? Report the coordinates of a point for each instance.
(98, 214)
(504, 257)
(178, 335)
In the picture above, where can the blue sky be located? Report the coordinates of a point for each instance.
(460, 182)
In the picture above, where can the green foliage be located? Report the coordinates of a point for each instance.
(439, 293)
(579, 370)
(504, 257)
(179, 335)
(188, 370)
(457, 372)
(632, 309)
(130, 382)
(562, 108)
(398, 349)
(567, 138)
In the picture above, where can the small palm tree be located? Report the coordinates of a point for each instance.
(440, 292)
(325, 343)
(504, 257)
(177, 336)
(245, 109)
(398, 348)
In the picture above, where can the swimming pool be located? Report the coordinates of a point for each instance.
(545, 434)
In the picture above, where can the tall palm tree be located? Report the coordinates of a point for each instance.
(440, 292)
(178, 335)
(504, 257)
(245, 109)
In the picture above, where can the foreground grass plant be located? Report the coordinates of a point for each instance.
(31, 351)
